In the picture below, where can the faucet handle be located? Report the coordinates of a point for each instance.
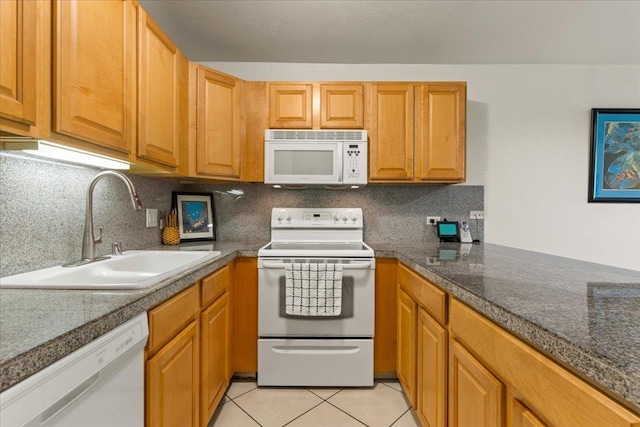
(116, 248)
(99, 238)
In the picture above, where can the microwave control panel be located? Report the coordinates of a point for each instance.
(355, 162)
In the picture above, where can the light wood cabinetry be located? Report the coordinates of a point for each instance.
(519, 415)
(94, 72)
(422, 352)
(215, 124)
(316, 105)
(341, 106)
(386, 317)
(245, 316)
(550, 393)
(391, 132)
(440, 144)
(431, 404)
(216, 341)
(407, 315)
(417, 132)
(188, 354)
(18, 36)
(475, 395)
(161, 66)
(25, 68)
(290, 106)
(172, 369)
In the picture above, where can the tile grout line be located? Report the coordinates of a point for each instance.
(248, 414)
(402, 415)
(345, 412)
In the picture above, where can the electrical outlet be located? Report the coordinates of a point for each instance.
(432, 220)
(152, 218)
(476, 215)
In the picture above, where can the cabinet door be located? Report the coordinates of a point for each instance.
(218, 125)
(173, 381)
(432, 371)
(475, 395)
(441, 133)
(18, 32)
(290, 106)
(391, 136)
(342, 106)
(519, 415)
(95, 72)
(159, 72)
(216, 347)
(407, 317)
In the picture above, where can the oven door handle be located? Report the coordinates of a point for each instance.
(353, 266)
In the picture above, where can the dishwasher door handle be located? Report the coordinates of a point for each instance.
(68, 399)
(354, 266)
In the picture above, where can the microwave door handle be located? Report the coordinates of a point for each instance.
(340, 163)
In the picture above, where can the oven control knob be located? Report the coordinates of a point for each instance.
(336, 218)
(354, 218)
(345, 219)
(289, 218)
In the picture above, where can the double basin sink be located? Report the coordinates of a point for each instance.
(131, 270)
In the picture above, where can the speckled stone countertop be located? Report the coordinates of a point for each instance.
(584, 315)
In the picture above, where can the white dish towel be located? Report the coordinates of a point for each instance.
(313, 289)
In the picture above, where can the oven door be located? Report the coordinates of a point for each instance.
(358, 302)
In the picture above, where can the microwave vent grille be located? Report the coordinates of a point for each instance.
(316, 135)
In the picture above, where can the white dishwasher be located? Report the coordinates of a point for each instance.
(98, 385)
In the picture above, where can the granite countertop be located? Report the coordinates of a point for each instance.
(583, 315)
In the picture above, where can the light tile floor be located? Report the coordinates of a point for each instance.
(244, 404)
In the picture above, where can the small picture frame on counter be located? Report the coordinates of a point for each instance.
(614, 168)
(195, 213)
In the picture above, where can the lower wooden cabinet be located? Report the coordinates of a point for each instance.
(518, 415)
(188, 355)
(173, 381)
(431, 396)
(475, 395)
(407, 315)
(216, 346)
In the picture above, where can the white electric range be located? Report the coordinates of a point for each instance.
(334, 349)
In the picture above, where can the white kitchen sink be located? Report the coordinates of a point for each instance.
(131, 270)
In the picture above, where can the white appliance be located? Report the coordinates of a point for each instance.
(298, 350)
(315, 157)
(98, 385)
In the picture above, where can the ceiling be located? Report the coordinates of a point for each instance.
(403, 32)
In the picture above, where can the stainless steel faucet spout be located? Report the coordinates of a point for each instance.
(89, 239)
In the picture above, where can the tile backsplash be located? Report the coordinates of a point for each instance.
(42, 210)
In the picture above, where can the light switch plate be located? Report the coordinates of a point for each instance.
(152, 218)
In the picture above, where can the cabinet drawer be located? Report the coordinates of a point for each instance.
(214, 285)
(547, 389)
(425, 293)
(166, 320)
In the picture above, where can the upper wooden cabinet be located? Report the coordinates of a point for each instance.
(316, 105)
(161, 66)
(217, 135)
(391, 132)
(440, 149)
(25, 75)
(341, 106)
(18, 37)
(95, 72)
(417, 132)
(290, 106)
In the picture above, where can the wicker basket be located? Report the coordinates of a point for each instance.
(170, 236)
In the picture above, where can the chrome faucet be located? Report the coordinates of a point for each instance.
(89, 240)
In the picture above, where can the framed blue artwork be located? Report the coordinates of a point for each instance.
(614, 168)
(195, 216)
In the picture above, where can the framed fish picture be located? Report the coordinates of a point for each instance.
(195, 216)
(614, 168)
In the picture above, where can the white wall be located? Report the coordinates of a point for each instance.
(528, 130)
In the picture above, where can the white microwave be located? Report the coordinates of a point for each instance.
(312, 157)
